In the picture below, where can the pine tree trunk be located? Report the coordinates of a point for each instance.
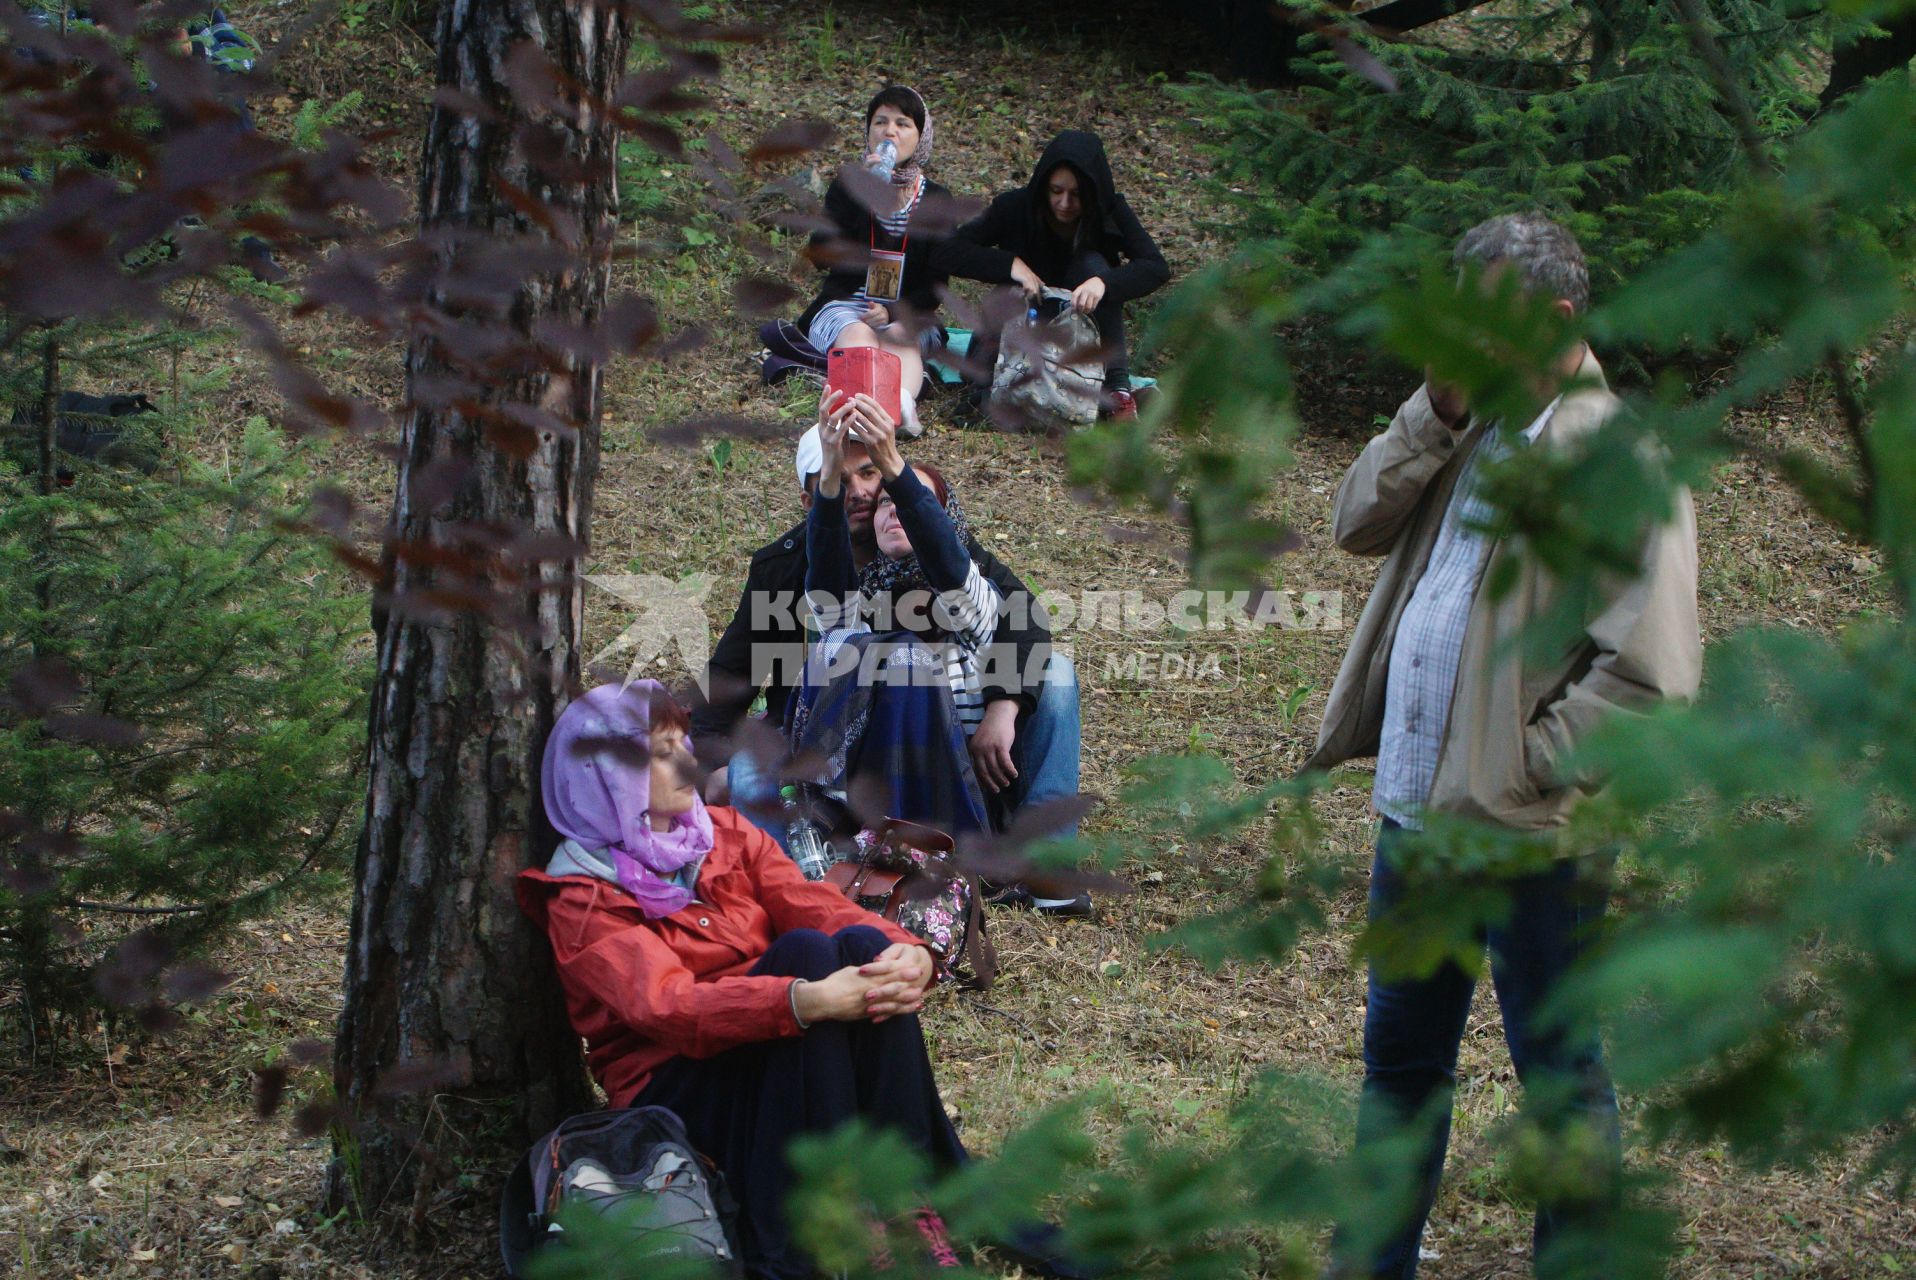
(1857, 61)
(453, 1046)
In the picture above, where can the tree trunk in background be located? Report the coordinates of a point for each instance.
(453, 1044)
(1854, 63)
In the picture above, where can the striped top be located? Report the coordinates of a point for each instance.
(973, 613)
(894, 226)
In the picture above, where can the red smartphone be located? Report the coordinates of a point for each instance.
(871, 370)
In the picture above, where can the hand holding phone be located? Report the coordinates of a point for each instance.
(870, 371)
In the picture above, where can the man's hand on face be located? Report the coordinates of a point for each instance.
(1448, 402)
(872, 427)
(991, 745)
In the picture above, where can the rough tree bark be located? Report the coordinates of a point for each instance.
(453, 1042)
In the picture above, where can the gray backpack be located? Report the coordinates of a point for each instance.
(636, 1168)
(1049, 370)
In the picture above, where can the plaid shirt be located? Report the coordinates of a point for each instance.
(1430, 643)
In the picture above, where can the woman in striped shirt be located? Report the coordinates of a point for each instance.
(880, 288)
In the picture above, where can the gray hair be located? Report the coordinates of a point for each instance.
(1547, 254)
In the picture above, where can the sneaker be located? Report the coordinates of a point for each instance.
(1077, 908)
(1006, 895)
(257, 257)
(937, 1239)
(1118, 406)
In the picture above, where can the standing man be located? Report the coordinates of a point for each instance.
(1465, 723)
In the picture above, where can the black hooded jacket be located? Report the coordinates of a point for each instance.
(1014, 226)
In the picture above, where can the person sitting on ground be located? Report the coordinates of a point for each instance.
(881, 289)
(764, 646)
(709, 977)
(922, 589)
(1069, 228)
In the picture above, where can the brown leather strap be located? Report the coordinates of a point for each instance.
(981, 957)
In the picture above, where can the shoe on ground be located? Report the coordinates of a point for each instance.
(1118, 406)
(1006, 895)
(937, 1239)
(1077, 908)
(257, 257)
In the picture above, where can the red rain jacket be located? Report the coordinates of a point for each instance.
(644, 991)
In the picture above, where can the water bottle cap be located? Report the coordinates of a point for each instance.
(789, 791)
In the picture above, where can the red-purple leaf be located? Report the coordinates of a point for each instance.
(269, 1089)
(315, 1118)
(793, 138)
(762, 295)
(1363, 62)
(192, 983)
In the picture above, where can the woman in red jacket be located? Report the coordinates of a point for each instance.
(708, 976)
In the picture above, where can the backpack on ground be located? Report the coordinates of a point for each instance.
(1050, 370)
(637, 1168)
(904, 871)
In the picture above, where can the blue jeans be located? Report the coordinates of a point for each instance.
(755, 794)
(1045, 751)
(1412, 1029)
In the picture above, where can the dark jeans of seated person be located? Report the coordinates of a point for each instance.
(743, 1106)
(1046, 753)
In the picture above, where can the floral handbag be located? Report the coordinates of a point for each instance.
(905, 872)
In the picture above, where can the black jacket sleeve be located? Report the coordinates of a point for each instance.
(1014, 661)
(933, 538)
(983, 248)
(763, 646)
(828, 548)
(729, 686)
(1144, 269)
(840, 252)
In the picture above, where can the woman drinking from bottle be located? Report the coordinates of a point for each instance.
(880, 287)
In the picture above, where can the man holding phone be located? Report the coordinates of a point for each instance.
(1030, 756)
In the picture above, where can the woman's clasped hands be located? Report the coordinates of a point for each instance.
(887, 987)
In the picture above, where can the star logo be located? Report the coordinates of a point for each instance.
(670, 615)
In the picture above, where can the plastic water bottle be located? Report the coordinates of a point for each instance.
(808, 851)
(886, 160)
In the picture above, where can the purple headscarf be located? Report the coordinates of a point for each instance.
(598, 794)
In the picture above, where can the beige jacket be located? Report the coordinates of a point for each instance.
(1514, 716)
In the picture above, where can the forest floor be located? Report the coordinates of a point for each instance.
(123, 1157)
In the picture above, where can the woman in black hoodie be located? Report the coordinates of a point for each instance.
(1068, 228)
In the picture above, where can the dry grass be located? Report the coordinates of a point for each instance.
(124, 1158)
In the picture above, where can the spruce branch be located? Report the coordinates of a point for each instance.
(1736, 105)
(114, 908)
